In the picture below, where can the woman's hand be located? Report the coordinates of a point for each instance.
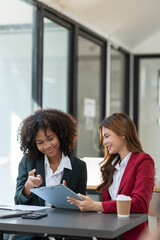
(32, 181)
(88, 204)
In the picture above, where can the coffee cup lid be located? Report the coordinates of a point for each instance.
(123, 197)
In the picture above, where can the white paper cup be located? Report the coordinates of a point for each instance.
(123, 205)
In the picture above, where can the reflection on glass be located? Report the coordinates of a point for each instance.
(88, 106)
(15, 86)
(149, 110)
(117, 90)
(55, 66)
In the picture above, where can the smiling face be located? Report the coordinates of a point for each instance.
(113, 142)
(48, 143)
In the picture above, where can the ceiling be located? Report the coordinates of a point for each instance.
(131, 22)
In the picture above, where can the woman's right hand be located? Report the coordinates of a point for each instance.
(88, 204)
(32, 181)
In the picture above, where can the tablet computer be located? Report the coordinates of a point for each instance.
(57, 195)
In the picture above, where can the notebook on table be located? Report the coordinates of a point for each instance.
(10, 213)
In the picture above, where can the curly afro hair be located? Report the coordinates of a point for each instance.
(63, 124)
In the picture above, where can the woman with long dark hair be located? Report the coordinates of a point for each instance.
(126, 170)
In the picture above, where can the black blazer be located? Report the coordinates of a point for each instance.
(76, 179)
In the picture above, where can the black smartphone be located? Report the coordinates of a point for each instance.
(34, 215)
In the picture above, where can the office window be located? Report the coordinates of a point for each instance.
(55, 66)
(15, 88)
(117, 90)
(89, 104)
(149, 108)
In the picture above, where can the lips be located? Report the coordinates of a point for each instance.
(109, 147)
(50, 150)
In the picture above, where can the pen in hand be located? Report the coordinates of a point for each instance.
(64, 183)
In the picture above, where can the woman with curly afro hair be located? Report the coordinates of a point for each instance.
(47, 139)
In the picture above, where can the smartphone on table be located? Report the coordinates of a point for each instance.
(34, 215)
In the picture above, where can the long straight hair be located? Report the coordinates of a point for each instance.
(122, 125)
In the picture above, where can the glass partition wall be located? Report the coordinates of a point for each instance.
(55, 66)
(89, 102)
(15, 86)
(147, 98)
(119, 84)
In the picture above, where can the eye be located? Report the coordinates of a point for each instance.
(50, 139)
(106, 136)
(39, 143)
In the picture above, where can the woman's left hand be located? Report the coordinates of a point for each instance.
(88, 204)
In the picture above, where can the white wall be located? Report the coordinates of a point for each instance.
(150, 45)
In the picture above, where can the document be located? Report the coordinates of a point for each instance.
(57, 195)
(23, 207)
(9, 213)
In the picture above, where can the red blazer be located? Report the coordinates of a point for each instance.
(137, 182)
